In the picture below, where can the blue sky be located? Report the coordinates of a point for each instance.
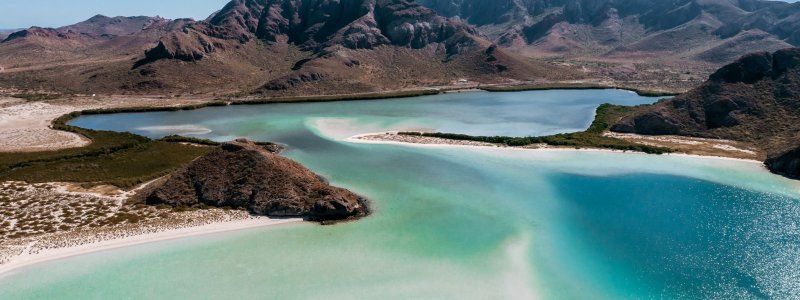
(54, 13)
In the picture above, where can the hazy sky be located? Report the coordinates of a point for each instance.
(54, 13)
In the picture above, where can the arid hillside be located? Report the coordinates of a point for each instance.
(754, 100)
(653, 42)
(284, 47)
(712, 31)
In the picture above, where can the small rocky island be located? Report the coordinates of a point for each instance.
(244, 175)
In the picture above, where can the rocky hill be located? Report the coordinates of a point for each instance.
(710, 31)
(755, 99)
(270, 47)
(61, 58)
(4, 33)
(243, 175)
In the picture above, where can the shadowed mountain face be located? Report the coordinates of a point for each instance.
(316, 26)
(715, 31)
(266, 46)
(756, 100)
(4, 33)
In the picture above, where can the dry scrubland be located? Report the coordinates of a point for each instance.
(39, 217)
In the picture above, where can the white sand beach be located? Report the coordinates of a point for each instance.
(393, 138)
(27, 259)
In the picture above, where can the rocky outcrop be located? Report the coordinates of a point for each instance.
(754, 100)
(182, 46)
(758, 90)
(243, 175)
(294, 79)
(786, 164)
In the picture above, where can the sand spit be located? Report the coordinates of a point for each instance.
(422, 141)
(25, 125)
(415, 139)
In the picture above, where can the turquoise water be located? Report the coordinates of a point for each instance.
(463, 223)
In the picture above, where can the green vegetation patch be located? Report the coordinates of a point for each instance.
(342, 97)
(573, 86)
(607, 114)
(121, 159)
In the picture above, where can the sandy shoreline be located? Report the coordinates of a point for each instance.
(25, 126)
(24, 260)
(392, 138)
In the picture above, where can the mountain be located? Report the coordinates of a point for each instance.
(269, 47)
(4, 33)
(674, 31)
(755, 99)
(65, 59)
(97, 34)
(242, 175)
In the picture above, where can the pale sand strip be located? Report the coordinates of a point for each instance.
(25, 125)
(392, 138)
(60, 253)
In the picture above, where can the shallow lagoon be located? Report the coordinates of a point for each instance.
(458, 222)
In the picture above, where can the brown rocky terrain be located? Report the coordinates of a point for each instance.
(243, 175)
(754, 100)
(650, 44)
(268, 47)
(4, 33)
(712, 31)
(298, 47)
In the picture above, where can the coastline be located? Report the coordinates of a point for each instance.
(373, 138)
(52, 133)
(64, 110)
(25, 260)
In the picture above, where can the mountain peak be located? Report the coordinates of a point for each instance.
(316, 26)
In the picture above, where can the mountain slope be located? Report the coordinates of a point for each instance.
(754, 100)
(347, 45)
(268, 46)
(4, 33)
(698, 30)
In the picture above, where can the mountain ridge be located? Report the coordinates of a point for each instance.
(618, 29)
(265, 47)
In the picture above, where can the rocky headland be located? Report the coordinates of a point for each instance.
(243, 175)
(754, 100)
